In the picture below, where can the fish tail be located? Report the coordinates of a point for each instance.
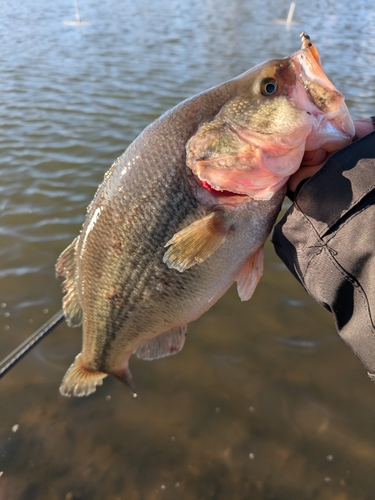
(80, 381)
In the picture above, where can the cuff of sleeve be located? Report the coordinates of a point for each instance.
(292, 194)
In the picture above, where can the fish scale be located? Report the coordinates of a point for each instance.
(133, 284)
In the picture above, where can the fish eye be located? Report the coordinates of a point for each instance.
(268, 86)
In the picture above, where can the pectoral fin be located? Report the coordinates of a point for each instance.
(250, 274)
(166, 344)
(197, 242)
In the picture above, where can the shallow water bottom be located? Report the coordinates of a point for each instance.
(252, 408)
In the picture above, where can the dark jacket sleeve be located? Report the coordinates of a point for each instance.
(327, 240)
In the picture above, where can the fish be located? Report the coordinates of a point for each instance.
(185, 211)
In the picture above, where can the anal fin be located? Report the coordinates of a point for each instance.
(250, 274)
(66, 269)
(166, 344)
(79, 381)
(195, 243)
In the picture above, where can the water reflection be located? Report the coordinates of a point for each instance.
(237, 414)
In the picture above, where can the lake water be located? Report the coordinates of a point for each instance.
(265, 401)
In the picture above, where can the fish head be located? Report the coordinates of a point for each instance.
(276, 112)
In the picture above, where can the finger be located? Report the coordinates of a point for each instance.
(363, 127)
(301, 174)
(314, 157)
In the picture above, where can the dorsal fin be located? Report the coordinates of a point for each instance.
(66, 270)
(166, 344)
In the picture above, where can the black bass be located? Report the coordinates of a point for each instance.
(185, 212)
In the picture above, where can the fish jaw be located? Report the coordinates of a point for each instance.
(259, 183)
(314, 92)
(258, 163)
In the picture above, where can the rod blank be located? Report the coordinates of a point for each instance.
(19, 352)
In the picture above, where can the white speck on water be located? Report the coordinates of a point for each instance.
(327, 479)
(30, 321)
(7, 314)
(251, 409)
(1, 472)
(3, 304)
(329, 458)
(251, 456)
(108, 398)
(15, 428)
(177, 485)
(135, 395)
(45, 311)
(162, 487)
(217, 410)
(6, 327)
(173, 439)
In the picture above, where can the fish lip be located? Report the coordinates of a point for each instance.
(311, 75)
(331, 115)
(307, 67)
(209, 195)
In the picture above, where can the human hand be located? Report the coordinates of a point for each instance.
(314, 160)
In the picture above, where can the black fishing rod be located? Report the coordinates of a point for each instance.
(19, 352)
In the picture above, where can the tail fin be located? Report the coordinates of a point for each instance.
(79, 381)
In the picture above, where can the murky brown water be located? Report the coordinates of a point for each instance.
(239, 413)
